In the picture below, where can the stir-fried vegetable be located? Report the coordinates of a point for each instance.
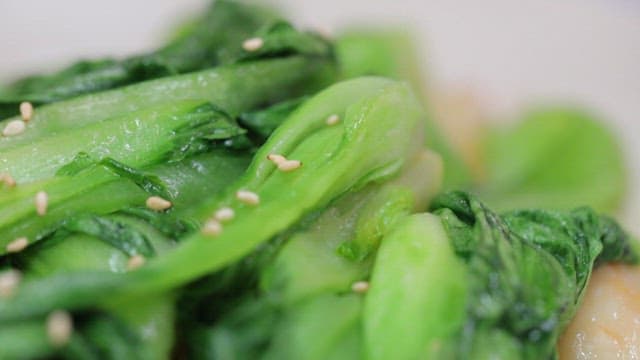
(213, 39)
(554, 158)
(528, 271)
(224, 197)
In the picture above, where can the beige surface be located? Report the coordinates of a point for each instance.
(511, 52)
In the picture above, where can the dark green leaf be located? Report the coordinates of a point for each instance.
(281, 38)
(81, 161)
(146, 181)
(109, 338)
(528, 270)
(263, 122)
(149, 183)
(207, 125)
(126, 238)
(162, 221)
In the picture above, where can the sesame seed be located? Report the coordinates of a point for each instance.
(289, 165)
(26, 111)
(135, 262)
(156, 203)
(248, 197)
(333, 119)
(276, 159)
(7, 180)
(42, 201)
(253, 44)
(9, 280)
(212, 227)
(14, 127)
(224, 214)
(360, 287)
(17, 245)
(59, 327)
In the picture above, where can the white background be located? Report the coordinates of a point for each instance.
(512, 52)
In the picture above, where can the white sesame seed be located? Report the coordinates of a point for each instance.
(59, 327)
(289, 165)
(14, 127)
(7, 180)
(17, 245)
(156, 203)
(135, 262)
(9, 280)
(42, 201)
(333, 119)
(360, 287)
(276, 159)
(248, 197)
(224, 214)
(253, 44)
(212, 227)
(26, 111)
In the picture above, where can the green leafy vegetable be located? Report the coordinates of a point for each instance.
(138, 139)
(281, 38)
(212, 40)
(418, 292)
(306, 285)
(295, 225)
(24, 340)
(527, 272)
(263, 122)
(235, 88)
(393, 53)
(130, 241)
(147, 182)
(99, 190)
(371, 108)
(554, 158)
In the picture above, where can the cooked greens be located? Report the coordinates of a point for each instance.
(137, 139)
(299, 215)
(527, 272)
(551, 157)
(213, 39)
(254, 83)
(555, 158)
(392, 53)
(418, 292)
